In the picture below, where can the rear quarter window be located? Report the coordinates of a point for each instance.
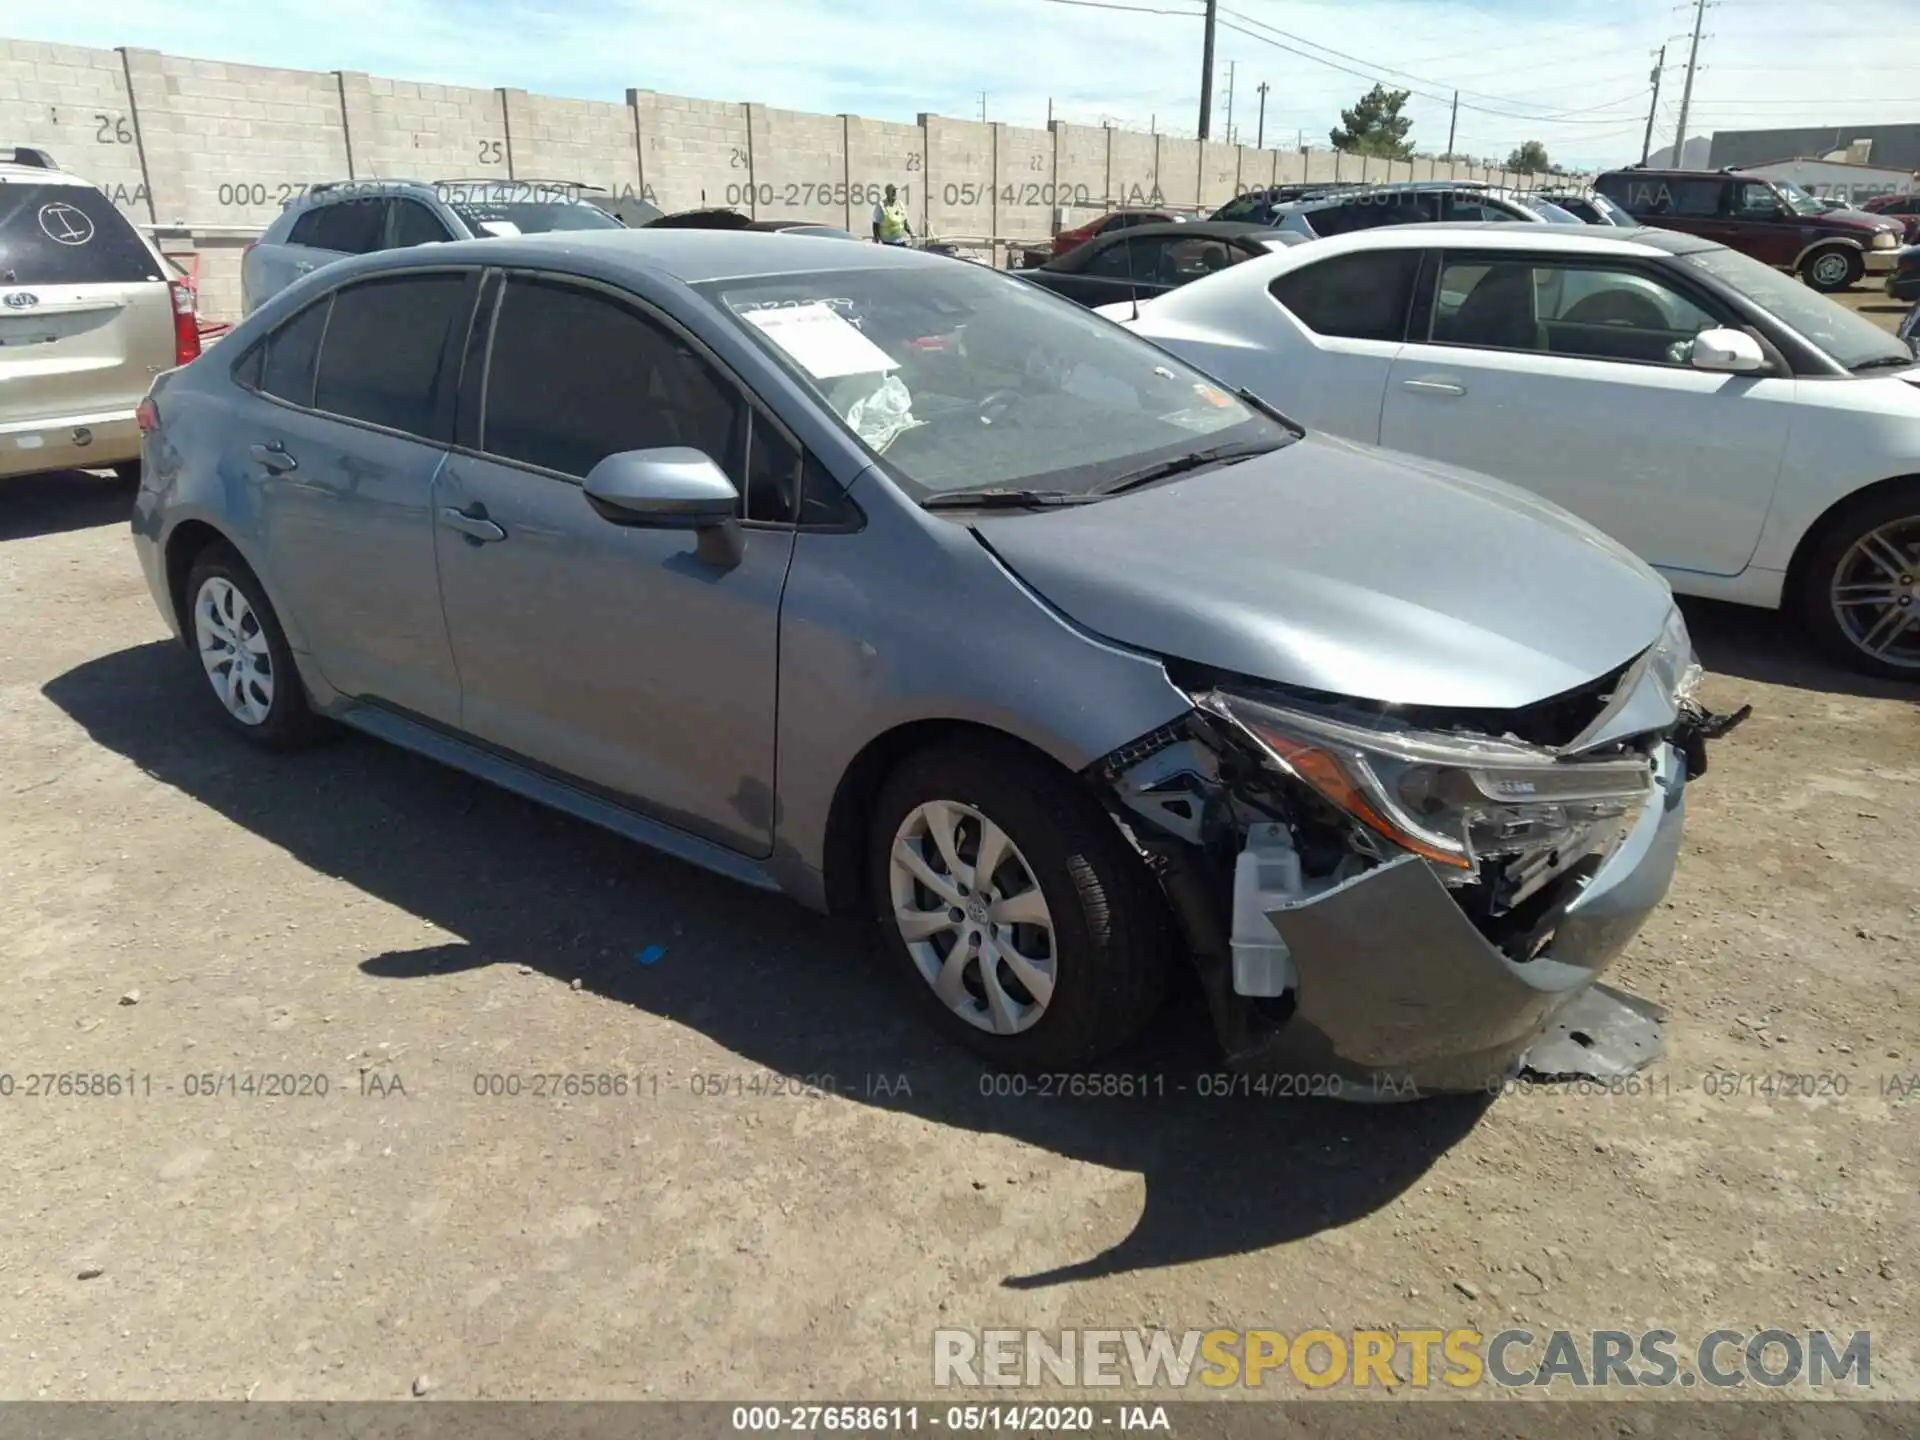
(69, 235)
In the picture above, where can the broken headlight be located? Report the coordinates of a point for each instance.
(1452, 798)
(1671, 661)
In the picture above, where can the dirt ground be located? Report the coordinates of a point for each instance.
(174, 905)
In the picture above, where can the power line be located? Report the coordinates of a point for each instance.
(1563, 119)
(1376, 72)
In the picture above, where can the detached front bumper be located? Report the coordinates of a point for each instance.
(1399, 995)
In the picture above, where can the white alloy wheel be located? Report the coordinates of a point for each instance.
(973, 917)
(233, 648)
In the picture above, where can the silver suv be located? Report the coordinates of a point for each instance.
(88, 316)
(357, 217)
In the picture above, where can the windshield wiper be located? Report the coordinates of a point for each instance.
(1882, 362)
(1181, 464)
(1000, 497)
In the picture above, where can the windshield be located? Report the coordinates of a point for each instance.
(1835, 329)
(1551, 212)
(512, 208)
(962, 378)
(1609, 209)
(1799, 201)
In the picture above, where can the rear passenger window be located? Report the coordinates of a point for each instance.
(413, 224)
(575, 376)
(287, 371)
(353, 227)
(1356, 297)
(385, 348)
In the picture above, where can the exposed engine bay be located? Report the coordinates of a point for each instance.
(1415, 901)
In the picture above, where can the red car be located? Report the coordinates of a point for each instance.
(1113, 220)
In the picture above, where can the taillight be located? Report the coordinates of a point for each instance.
(186, 324)
(147, 416)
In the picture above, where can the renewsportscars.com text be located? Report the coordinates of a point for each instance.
(1459, 1359)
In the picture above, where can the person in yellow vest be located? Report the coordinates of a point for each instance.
(890, 225)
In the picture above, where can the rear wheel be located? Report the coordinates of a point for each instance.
(1835, 268)
(1861, 594)
(243, 653)
(1033, 934)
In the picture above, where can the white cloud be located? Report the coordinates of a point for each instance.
(1571, 74)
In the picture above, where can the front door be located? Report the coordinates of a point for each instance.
(615, 655)
(1572, 380)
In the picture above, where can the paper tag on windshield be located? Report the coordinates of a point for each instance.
(821, 341)
(500, 227)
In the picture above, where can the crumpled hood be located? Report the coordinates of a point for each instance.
(1343, 568)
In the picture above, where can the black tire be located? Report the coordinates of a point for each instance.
(1856, 267)
(1890, 505)
(1112, 929)
(289, 722)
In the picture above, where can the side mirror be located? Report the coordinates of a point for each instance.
(671, 488)
(1728, 352)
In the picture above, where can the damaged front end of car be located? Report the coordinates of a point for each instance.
(1391, 902)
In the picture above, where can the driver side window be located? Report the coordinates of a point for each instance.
(1586, 312)
(1756, 201)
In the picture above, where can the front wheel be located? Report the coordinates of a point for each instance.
(1833, 269)
(1861, 596)
(1033, 934)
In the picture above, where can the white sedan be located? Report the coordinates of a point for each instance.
(1747, 436)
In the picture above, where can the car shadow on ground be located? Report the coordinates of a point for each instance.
(787, 990)
(1769, 648)
(63, 500)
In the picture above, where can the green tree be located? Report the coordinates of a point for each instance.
(1375, 126)
(1530, 158)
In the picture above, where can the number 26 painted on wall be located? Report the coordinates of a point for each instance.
(112, 130)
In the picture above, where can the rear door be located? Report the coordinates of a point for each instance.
(323, 234)
(86, 317)
(342, 455)
(1344, 319)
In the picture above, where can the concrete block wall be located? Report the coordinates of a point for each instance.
(211, 151)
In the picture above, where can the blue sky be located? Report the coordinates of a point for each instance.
(1570, 73)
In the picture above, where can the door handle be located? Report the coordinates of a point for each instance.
(1434, 387)
(273, 456)
(477, 528)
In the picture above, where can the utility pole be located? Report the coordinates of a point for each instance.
(1686, 93)
(983, 107)
(1453, 124)
(1260, 133)
(1659, 68)
(1206, 70)
(1230, 78)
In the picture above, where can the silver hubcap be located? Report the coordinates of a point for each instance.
(1876, 593)
(973, 918)
(234, 649)
(1830, 269)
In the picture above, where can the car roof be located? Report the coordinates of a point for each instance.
(11, 173)
(1192, 230)
(1511, 235)
(688, 255)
